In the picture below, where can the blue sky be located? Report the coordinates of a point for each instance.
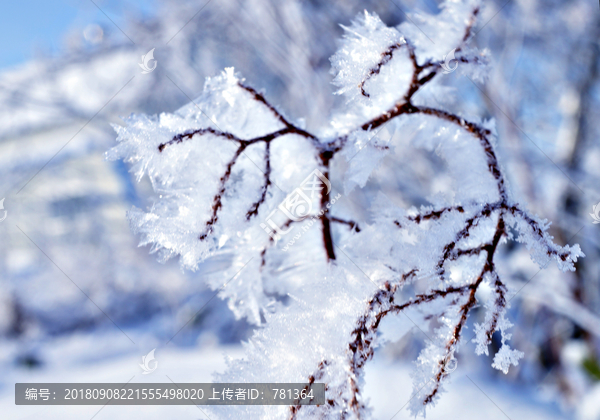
(35, 27)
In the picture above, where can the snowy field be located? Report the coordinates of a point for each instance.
(388, 385)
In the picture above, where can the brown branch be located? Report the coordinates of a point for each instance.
(470, 26)
(463, 233)
(218, 200)
(352, 224)
(267, 176)
(537, 229)
(432, 215)
(326, 157)
(179, 138)
(499, 305)
(481, 134)
(188, 135)
(467, 252)
(267, 138)
(291, 127)
(471, 301)
(468, 32)
(386, 57)
(317, 376)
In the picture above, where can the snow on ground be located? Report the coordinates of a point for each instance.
(389, 386)
(179, 364)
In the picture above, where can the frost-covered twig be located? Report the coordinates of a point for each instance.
(387, 75)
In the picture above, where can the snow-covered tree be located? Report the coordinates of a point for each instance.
(238, 180)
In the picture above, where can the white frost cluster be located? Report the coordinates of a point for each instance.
(505, 356)
(186, 176)
(540, 245)
(361, 49)
(434, 36)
